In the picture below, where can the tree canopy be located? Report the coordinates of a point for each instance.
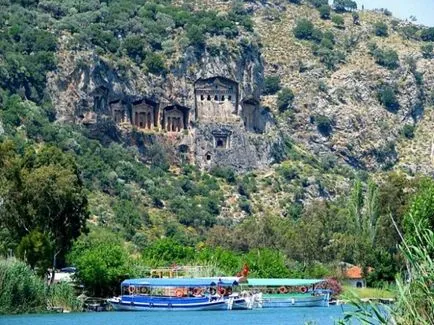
(43, 196)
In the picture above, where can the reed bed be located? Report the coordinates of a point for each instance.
(22, 291)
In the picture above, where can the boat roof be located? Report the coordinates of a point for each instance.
(282, 282)
(180, 282)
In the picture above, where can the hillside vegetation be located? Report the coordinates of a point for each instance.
(351, 93)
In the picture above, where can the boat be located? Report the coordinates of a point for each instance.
(283, 293)
(177, 294)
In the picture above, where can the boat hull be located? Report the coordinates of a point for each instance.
(309, 301)
(121, 305)
(238, 304)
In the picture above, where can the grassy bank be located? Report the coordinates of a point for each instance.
(362, 293)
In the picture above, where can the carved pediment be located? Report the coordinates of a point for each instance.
(216, 83)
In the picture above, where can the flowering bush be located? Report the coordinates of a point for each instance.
(331, 284)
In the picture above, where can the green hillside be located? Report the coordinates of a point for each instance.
(348, 97)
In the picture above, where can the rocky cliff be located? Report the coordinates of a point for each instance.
(86, 84)
(360, 132)
(364, 133)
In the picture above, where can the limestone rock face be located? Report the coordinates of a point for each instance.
(230, 145)
(364, 132)
(193, 106)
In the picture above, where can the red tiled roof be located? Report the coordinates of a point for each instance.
(353, 272)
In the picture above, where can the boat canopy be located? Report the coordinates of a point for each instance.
(282, 282)
(179, 282)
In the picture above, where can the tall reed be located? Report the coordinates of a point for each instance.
(63, 295)
(21, 290)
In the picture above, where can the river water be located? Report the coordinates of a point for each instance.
(311, 315)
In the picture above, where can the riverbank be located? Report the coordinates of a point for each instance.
(367, 293)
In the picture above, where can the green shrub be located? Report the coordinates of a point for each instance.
(330, 58)
(245, 206)
(271, 85)
(409, 32)
(167, 251)
(327, 43)
(247, 185)
(294, 210)
(285, 99)
(387, 12)
(322, 86)
(155, 63)
(304, 29)
(344, 5)
(267, 263)
(196, 35)
(387, 97)
(287, 171)
(36, 249)
(408, 131)
(318, 3)
(427, 34)
(101, 264)
(226, 173)
(324, 12)
(381, 29)
(133, 45)
(387, 58)
(338, 20)
(324, 124)
(427, 51)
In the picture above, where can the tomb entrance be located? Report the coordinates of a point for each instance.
(175, 118)
(119, 112)
(222, 139)
(216, 99)
(145, 114)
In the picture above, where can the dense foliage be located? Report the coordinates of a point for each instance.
(415, 299)
(44, 204)
(147, 209)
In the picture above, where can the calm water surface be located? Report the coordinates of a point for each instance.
(320, 316)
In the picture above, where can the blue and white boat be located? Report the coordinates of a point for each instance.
(177, 294)
(283, 293)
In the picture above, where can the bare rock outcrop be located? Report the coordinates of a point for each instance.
(114, 100)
